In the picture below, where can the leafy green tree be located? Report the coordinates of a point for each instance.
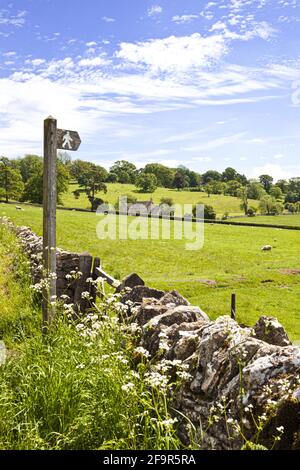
(193, 179)
(33, 191)
(291, 197)
(210, 176)
(230, 174)
(255, 190)
(164, 175)
(180, 181)
(209, 189)
(112, 177)
(232, 188)
(269, 206)
(168, 201)
(283, 185)
(11, 184)
(78, 167)
(276, 192)
(125, 171)
(218, 187)
(243, 195)
(147, 182)
(91, 182)
(29, 165)
(209, 211)
(266, 181)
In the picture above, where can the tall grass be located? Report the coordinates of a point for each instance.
(18, 313)
(74, 391)
(80, 387)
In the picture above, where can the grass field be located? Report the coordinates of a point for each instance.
(220, 203)
(231, 261)
(293, 220)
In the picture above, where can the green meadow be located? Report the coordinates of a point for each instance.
(231, 261)
(220, 203)
(291, 220)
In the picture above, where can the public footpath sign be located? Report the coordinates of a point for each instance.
(68, 140)
(53, 139)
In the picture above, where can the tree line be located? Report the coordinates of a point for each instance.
(22, 179)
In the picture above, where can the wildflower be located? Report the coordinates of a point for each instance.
(80, 366)
(143, 352)
(169, 422)
(86, 296)
(128, 387)
(80, 327)
(280, 429)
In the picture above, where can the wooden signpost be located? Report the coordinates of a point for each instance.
(53, 139)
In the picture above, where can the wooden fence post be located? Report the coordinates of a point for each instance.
(85, 267)
(95, 275)
(233, 306)
(49, 221)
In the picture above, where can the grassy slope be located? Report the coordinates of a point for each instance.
(221, 203)
(276, 220)
(16, 309)
(231, 256)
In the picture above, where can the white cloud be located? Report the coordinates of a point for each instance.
(278, 156)
(215, 143)
(108, 19)
(17, 20)
(9, 54)
(93, 62)
(91, 44)
(35, 62)
(184, 18)
(174, 53)
(278, 172)
(154, 10)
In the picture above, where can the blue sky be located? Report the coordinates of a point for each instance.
(207, 84)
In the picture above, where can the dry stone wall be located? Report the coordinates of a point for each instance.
(239, 378)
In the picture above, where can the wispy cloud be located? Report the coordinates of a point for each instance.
(154, 10)
(108, 19)
(9, 19)
(182, 19)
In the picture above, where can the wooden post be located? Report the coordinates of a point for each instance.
(49, 220)
(85, 267)
(95, 275)
(233, 306)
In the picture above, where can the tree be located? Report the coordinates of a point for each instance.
(210, 176)
(90, 183)
(147, 182)
(232, 188)
(180, 181)
(230, 174)
(168, 201)
(209, 211)
(28, 166)
(78, 167)
(291, 197)
(209, 189)
(125, 171)
(255, 190)
(193, 179)
(283, 185)
(266, 181)
(11, 184)
(276, 192)
(269, 206)
(33, 191)
(243, 195)
(164, 175)
(112, 177)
